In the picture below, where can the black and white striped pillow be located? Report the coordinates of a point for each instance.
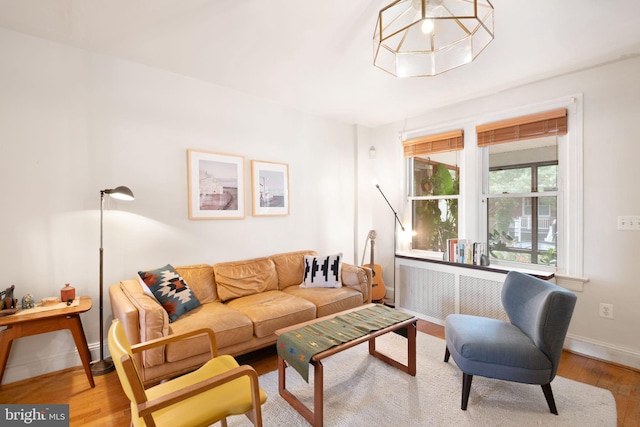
(322, 271)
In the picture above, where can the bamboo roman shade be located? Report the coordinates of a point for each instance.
(526, 127)
(447, 141)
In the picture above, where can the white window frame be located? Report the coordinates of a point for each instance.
(472, 215)
(570, 255)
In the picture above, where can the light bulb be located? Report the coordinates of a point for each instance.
(427, 26)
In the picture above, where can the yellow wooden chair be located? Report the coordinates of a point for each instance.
(218, 389)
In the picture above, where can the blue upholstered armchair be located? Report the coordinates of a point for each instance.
(527, 350)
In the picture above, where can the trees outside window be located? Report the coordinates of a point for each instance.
(522, 202)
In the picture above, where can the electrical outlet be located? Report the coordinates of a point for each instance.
(629, 222)
(606, 310)
(624, 223)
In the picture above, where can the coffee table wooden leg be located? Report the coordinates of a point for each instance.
(410, 367)
(318, 394)
(411, 348)
(315, 417)
(281, 375)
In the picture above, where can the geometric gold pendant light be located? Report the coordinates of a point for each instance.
(427, 37)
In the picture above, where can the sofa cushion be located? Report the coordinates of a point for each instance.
(200, 280)
(230, 326)
(328, 301)
(322, 271)
(272, 310)
(242, 278)
(171, 291)
(290, 267)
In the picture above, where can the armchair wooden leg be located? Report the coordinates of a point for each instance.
(446, 355)
(466, 389)
(548, 394)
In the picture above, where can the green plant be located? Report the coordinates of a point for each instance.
(437, 220)
(548, 257)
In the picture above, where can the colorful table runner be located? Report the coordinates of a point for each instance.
(298, 346)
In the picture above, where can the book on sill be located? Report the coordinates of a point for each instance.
(464, 251)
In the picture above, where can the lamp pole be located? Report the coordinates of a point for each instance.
(391, 207)
(104, 366)
(397, 219)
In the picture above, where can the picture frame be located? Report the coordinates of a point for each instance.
(216, 185)
(270, 188)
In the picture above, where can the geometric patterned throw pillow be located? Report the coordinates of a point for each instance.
(322, 271)
(171, 291)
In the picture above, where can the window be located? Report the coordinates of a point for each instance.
(522, 201)
(518, 189)
(434, 189)
(434, 201)
(522, 187)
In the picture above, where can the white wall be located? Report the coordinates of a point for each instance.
(73, 123)
(611, 177)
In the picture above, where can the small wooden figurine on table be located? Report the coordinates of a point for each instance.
(7, 301)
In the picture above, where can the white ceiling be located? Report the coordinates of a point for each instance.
(316, 56)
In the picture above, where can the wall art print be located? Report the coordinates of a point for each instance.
(216, 185)
(270, 188)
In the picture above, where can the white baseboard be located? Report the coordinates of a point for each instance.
(33, 367)
(603, 351)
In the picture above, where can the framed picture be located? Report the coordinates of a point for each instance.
(216, 185)
(270, 188)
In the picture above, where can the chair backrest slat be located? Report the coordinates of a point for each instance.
(123, 360)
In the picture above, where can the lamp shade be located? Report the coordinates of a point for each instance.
(428, 37)
(121, 193)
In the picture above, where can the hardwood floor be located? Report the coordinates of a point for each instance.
(107, 405)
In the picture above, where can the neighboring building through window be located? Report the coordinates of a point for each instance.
(522, 201)
(521, 189)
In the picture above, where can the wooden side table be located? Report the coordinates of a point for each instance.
(27, 324)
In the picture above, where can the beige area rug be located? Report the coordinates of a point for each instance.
(361, 390)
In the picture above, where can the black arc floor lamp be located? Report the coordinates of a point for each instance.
(103, 366)
(395, 237)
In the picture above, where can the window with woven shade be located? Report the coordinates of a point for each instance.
(549, 123)
(431, 144)
(434, 188)
(522, 188)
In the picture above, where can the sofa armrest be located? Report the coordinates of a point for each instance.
(150, 320)
(123, 309)
(358, 278)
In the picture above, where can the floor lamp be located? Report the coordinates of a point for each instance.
(395, 237)
(103, 366)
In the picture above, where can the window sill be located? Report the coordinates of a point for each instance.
(544, 275)
(570, 282)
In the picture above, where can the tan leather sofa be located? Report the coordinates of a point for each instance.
(244, 302)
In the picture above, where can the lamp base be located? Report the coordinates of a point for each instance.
(102, 367)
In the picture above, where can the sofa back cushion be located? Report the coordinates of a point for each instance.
(200, 280)
(290, 267)
(242, 278)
